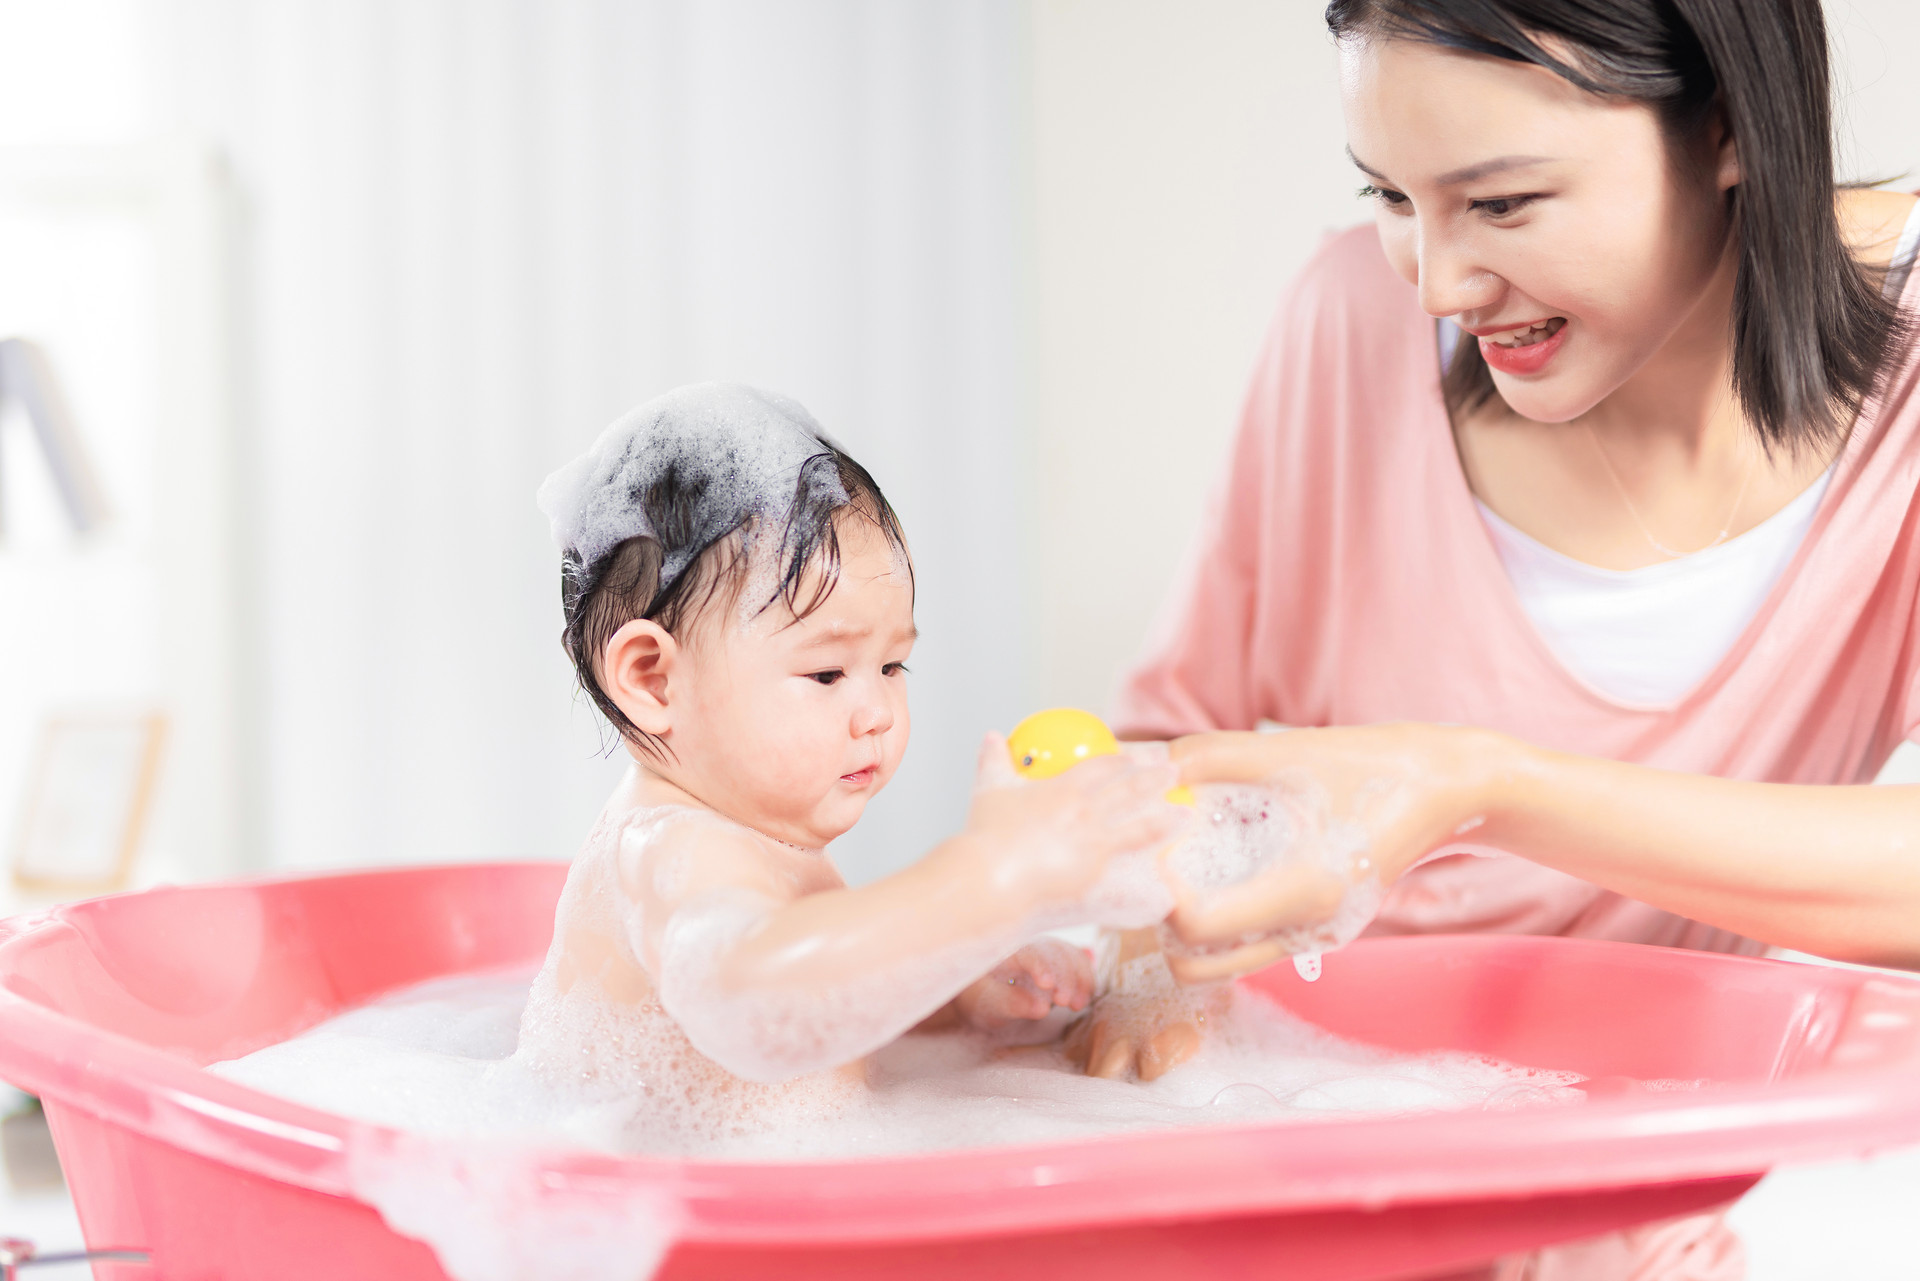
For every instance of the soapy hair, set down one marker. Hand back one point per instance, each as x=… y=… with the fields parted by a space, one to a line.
x=710 y=497
x=1812 y=334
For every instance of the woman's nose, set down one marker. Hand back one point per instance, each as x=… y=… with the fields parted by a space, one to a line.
x=1451 y=282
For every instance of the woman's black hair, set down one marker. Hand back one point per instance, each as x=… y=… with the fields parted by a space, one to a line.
x=624 y=584
x=1812 y=332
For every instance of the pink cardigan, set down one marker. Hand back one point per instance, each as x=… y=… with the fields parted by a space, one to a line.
x=1343 y=576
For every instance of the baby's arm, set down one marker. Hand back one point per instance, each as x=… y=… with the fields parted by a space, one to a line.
x=772 y=982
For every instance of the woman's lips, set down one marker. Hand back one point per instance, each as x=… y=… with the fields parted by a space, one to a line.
x=1529 y=359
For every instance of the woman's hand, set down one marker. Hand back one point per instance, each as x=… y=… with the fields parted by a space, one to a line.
x=1403 y=790
x=1829 y=870
x=1048 y=842
x=1028 y=986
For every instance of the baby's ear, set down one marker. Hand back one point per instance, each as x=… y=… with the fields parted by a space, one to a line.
x=638 y=669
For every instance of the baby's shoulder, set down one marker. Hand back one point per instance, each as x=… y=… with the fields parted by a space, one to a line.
x=669 y=826
x=669 y=852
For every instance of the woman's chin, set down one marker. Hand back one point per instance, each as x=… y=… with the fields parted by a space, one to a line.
x=1545 y=399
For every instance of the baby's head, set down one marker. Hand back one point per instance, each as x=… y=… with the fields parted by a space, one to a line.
x=739 y=604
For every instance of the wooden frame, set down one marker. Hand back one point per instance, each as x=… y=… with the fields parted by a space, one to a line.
x=182 y=540
x=87 y=801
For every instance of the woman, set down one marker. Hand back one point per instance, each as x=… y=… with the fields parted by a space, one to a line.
x=1653 y=533
x=1633 y=560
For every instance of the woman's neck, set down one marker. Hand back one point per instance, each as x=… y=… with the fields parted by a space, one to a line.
x=1678 y=408
x=1665 y=464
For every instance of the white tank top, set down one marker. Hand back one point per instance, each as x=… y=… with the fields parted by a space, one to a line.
x=1645 y=637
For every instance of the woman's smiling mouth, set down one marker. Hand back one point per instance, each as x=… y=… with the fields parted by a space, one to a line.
x=1523 y=349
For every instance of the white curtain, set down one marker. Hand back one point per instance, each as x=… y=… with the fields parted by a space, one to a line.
x=473 y=233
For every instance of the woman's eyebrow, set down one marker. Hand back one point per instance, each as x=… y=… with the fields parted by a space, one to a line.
x=1471 y=173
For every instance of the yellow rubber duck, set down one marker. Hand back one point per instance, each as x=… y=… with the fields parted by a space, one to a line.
x=1059 y=738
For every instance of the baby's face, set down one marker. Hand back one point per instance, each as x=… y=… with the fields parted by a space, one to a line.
x=792 y=727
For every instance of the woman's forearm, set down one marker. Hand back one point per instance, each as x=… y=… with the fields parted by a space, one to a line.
x=1824 y=869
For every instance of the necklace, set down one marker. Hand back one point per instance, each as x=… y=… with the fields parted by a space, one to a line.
x=1726 y=526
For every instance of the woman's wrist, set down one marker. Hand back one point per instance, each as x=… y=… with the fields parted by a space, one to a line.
x=1503 y=783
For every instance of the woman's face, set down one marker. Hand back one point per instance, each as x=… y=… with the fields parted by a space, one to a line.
x=1552 y=224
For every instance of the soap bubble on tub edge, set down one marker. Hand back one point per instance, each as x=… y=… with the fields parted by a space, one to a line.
x=490 y=1213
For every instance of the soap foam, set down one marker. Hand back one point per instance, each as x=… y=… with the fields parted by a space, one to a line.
x=779 y=1034
x=619 y=1061
x=741 y=451
x=492 y=1215
x=436 y=1060
x=1247 y=831
x=439 y=1063
x=769 y=1033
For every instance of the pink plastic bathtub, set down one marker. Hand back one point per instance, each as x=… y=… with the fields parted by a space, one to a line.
x=109 y=1008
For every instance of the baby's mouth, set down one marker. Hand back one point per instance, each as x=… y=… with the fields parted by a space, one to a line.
x=1527 y=335
x=860 y=777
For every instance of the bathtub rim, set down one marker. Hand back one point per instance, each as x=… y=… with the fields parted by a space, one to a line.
x=1823 y=1112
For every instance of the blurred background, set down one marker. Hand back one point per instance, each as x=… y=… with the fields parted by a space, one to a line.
x=328 y=286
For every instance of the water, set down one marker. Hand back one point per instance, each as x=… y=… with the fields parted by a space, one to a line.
x=438 y=1062
x=438 y=1059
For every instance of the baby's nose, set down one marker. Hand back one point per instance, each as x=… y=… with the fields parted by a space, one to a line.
x=872 y=716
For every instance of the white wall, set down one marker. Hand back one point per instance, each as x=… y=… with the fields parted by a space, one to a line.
x=1188 y=157
x=476 y=232
x=1017 y=252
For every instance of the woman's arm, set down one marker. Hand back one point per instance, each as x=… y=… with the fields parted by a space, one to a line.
x=1829 y=870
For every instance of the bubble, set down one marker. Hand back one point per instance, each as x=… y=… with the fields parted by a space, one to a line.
x=1253 y=830
x=606 y=1059
x=1307 y=965
x=1246 y=1098
x=741 y=451
x=430 y=1060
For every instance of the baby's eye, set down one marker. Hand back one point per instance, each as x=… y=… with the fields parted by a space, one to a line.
x=827 y=677
x=894 y=669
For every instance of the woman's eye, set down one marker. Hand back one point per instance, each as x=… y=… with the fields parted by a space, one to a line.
x=1391 y=199
x=1503 y=206
x=827 y=677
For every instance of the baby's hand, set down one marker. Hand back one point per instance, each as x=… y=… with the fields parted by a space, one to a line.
x=1028 y=985
x=1046 y=843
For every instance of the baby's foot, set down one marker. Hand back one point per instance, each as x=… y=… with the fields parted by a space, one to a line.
x=1145 y=1024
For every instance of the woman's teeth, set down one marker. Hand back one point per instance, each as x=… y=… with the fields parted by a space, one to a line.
x=1529 y=335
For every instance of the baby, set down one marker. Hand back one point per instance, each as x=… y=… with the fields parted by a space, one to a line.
x=739 y=605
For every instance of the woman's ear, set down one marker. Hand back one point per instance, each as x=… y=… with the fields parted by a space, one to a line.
x=1726 y=152
x=638 y=669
